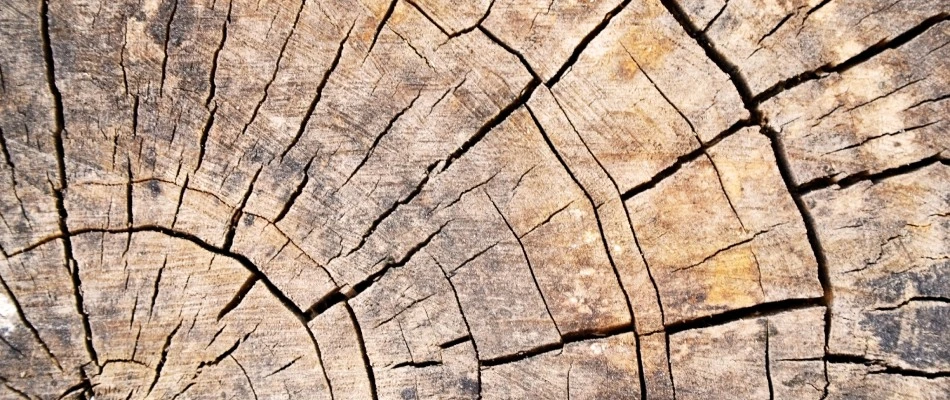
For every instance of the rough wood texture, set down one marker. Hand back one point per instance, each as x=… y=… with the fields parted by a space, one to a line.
x=352 y=199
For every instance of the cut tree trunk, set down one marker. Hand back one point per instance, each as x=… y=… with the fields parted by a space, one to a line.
x=361 y=199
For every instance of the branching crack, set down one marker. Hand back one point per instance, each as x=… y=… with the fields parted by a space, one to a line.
x=603 y=237
x=527 y=260
x=726 y=249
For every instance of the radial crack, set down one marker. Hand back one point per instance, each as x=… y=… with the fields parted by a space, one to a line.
x=857 y=59
x=236 y=216
x=768 y=361
x=168 y=29
x=379 y=28
x=726 y=249
x=296 y=193
x=316 y=98
x=657 y=87
x=163 y=359
x=582 y=45
x=280 y=57
x=723 y=188
x=26 y=322
x=603 y=237
x=158 y=281
x=379 y=137
x=916 y=299
x=363 y=353
x=524 y=252
x=550 y=216
x=217 y=53
x=878 y=136
x=238 y=296
x=247 y=378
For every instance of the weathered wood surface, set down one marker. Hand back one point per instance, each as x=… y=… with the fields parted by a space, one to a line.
x=664 y=199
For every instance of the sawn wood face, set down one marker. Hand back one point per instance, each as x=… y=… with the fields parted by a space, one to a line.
x=491 y=199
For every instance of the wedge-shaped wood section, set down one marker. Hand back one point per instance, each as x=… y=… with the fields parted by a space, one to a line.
x=592 y=369
x=850 y=379
x=803 y=36
x=43 y=334
x=778 y=356
x=888 y=268
x=28 y=203
x=492 y=199
x=722 y=233
x=159 y=316
x=882 y=114
x=634 y=106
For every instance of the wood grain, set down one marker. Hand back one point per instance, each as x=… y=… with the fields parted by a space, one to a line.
x=493 y=199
